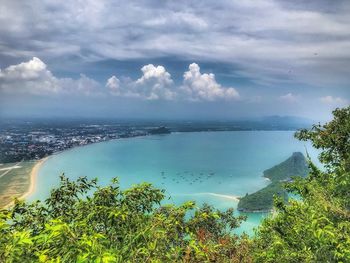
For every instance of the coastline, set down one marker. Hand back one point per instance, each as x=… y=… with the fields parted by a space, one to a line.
x=40 y=162
x=33 y=177
x=225 y=196
x=32 y=185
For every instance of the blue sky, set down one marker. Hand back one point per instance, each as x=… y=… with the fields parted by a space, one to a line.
x=174 y=59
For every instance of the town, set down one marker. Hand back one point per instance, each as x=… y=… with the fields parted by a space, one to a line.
x=28 y=141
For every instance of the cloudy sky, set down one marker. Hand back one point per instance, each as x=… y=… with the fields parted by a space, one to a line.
x=174 y=59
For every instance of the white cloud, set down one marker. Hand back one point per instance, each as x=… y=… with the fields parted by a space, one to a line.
x=334 y=101
x=82 y=85
x=118 y=88
x=29 y=77
x=26 y=70
x=197 y=86
x=154 y=84
x=33 y=77
x=289 y=97
x=157 y=75
x=113 y=84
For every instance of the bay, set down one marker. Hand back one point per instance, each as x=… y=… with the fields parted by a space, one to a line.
x=210 y=167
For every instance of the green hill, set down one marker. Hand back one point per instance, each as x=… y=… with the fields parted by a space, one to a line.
x=262 y=200
x=295 y=165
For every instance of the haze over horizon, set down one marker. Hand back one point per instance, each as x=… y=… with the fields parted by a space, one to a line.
x=174 y=60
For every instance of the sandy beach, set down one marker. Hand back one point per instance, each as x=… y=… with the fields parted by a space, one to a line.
x=33 y=177
x=231 y=197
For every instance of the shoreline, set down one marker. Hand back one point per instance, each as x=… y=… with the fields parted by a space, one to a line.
x=40 y=162
x=263 y=211
x=33 y=178
x=32 y=184
x=225 y=196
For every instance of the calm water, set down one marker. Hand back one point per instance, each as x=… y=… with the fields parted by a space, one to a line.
x=201 y=166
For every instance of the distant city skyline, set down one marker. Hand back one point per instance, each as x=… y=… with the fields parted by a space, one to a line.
x=174 y=59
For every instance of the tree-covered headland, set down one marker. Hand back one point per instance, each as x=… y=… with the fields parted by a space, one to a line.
x=263 y=200
x=83 y=222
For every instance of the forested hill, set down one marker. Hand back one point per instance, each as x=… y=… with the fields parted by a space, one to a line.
x=295 y=165
x=262 y=200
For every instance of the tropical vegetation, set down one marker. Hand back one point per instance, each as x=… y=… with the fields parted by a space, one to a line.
x=263 y=199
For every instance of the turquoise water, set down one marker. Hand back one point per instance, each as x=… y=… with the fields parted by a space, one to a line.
x=202 y=166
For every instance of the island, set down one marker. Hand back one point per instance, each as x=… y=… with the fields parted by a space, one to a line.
x=262 y=200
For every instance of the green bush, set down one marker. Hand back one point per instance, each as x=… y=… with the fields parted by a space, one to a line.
x=114 y=225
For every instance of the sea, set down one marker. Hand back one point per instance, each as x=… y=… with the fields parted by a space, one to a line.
x=206 y=167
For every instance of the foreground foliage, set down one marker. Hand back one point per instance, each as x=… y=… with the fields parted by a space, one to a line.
x=112 y=225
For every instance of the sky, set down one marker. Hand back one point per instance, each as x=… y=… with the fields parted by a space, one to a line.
x=174 y=59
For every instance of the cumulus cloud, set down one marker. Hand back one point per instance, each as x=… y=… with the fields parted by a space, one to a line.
x=156 y=84
x=289 y=97
x=156 y=74
x=33 y=77
x=334 y=101
x=28 y=77
x=113 y=84
x=125 y=89
x=83 y=85
x=197 y=86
